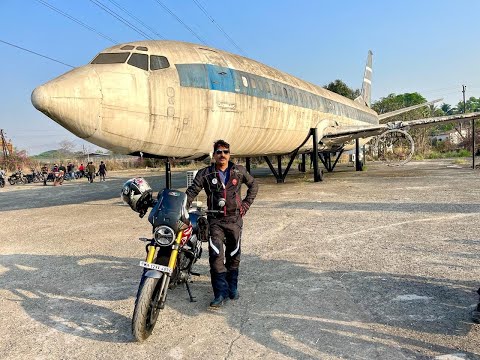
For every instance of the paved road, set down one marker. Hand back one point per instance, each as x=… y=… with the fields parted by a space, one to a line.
x=381 y=264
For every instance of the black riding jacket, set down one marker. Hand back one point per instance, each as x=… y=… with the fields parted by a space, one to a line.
x=208 y=179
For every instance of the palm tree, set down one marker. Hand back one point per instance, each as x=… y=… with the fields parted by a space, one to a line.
x=447 y=109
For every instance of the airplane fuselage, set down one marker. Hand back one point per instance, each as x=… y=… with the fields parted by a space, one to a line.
x=174 y=99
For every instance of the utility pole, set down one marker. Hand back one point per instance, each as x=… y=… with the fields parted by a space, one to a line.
x=464 y=88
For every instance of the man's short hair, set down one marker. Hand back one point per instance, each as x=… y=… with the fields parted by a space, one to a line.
x=221 y=143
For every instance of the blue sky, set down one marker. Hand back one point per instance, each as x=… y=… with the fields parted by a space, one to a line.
x=426 y=46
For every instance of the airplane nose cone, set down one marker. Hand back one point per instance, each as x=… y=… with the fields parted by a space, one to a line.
x=40 y=99
x=73 y=100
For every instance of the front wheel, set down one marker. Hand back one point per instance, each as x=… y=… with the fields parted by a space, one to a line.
x=11 y=181
x=147 y=308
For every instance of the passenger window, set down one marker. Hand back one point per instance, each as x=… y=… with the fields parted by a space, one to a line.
x=244 y=81
x=158 y=62
x=111 y=58
x=253 y=83
x=267 y=87
x=139 y=60
x=285 y=93
x=260 y=85
x=274 y=89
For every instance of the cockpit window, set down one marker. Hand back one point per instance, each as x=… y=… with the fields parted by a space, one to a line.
x=139 y=61
x=158 y=62
x=111 y=58
x=142 y=48
x=127 y=47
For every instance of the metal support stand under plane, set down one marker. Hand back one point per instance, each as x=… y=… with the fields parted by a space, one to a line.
x=317 y=175
x=358 y=163
x=168 y=174
x=326 y=158
x=280 y=176
x=247 y=165
x=302 y=165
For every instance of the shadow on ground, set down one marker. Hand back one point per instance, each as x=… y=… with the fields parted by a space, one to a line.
x=285 y=307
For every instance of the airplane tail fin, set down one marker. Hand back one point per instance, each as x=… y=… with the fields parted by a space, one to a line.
x=366 y=97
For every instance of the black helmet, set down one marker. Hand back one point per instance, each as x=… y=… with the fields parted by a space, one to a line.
x=138 y=194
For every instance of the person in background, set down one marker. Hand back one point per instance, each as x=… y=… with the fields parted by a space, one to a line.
x=45 y=174
x=102 y=170
x=81 y=168
x=70 y=170
x=90 y=171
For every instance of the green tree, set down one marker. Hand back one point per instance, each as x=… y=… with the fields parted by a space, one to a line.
x=394 y=102
x=339 y=87
x=447 y=109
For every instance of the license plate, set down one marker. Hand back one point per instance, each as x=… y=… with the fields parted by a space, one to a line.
x=161 y=268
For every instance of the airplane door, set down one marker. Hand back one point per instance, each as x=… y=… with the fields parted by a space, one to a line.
x=165 y=106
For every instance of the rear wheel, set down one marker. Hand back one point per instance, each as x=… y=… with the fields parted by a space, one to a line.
x=11 y=181
x=147 y=308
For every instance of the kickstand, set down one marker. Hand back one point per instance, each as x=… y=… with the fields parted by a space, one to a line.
x=192 y=299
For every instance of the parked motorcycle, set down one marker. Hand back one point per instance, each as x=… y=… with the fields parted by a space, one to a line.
x=34 y=177
x=175 y=247
x=17 y=178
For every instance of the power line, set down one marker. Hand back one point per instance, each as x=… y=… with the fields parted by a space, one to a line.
x=76 y=20
x=33 y=52
x=120 y=18
x=218 y=26
x=181 y=22
x=137 y=19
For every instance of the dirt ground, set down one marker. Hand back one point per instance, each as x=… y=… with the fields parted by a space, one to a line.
x=380 y=264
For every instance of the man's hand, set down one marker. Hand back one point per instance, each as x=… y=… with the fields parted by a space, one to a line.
x=244 y=208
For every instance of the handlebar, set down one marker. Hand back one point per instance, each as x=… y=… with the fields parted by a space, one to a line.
x=206 y=211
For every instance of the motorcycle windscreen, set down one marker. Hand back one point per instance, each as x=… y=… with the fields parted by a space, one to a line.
x=170 y=210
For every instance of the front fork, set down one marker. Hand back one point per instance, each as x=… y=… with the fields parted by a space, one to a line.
x=171 y=264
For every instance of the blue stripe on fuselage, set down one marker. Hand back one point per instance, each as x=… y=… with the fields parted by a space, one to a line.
x=213 y=77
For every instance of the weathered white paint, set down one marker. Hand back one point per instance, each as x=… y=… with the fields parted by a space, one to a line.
x=126 y=109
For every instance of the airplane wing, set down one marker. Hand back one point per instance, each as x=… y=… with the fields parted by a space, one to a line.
x=339 y=135
x=401 y=111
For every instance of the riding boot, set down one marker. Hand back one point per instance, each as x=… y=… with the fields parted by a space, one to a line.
x=476 y=312
x=220 y=288
x=232 y=279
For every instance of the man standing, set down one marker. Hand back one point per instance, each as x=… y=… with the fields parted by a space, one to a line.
x=102 y=170
x=45 y=174
x=90 y=171
x=476 y=312
x=222 y=183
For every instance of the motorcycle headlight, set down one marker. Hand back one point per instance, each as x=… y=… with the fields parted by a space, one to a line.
x=164 y=236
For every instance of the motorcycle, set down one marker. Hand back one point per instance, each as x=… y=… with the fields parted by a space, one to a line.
x=176 y=245
x=34 y=177
x=17 y=178
x=2 y=179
